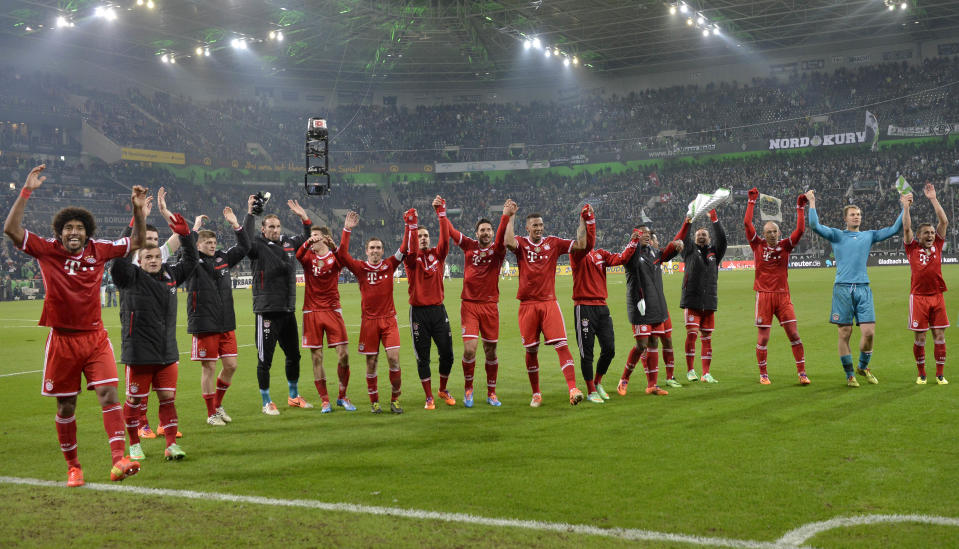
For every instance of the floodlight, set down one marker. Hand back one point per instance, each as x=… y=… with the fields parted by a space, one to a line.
x=683 y=8
x=110 y=14
x=672 y=10
x=206 y=52
x=199 y=50
x=279 y=36
x=700 y=20
x=139 y=2
x=527 y=44
x=891 y=7
x=272 y=35
x=575 y=60
x=98 y=11
x=173 y=60
x=556 y=52
x=566 y=62
x=904 y=5
x=548 y=52
x=689 y=21
x=61 y=21
x=165 y=58
x=716 y=30
x=150 y=4
x=536 y=43
x=705 y=32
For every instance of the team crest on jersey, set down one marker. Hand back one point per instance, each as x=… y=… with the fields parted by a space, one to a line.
x=134 y=388
x=329 y=261
x=90 y=259
x=482 y=254
x=48 y=385
x=545 y=247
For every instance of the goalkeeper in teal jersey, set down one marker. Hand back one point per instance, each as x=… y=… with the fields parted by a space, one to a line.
x=851 y=295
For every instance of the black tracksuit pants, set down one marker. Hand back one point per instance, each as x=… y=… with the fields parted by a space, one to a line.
x=273 y=328
x=593 y=322
x=431 y=323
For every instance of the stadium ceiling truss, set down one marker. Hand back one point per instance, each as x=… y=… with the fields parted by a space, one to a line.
x=413 y=42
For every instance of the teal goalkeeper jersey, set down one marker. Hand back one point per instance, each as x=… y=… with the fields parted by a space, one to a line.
x=852 y=247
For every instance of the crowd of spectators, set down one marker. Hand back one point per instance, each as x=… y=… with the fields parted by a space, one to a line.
x=727 y=112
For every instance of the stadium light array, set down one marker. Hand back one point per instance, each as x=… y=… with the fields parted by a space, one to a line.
x=683 y=8
x=689 y=21
x=566 y=62
x=548 y=52
x=537 y=44
x=164 y=58
x=527 y=44
x=105 y=12
x=63 y=22
x=672 y=10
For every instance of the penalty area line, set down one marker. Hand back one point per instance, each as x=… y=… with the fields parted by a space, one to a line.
x=802 y=534
x=561 y=527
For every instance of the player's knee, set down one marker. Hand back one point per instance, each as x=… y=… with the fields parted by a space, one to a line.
x=606 y=355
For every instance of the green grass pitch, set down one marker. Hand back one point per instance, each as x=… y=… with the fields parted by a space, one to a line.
x=732 y=460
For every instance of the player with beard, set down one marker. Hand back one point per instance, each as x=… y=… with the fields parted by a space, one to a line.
x=72 y=265
x=273 y=258
x=593 y=320
x=479 y=309
x=536 y=258
x=375 y=278
x=927 y=306
x=771 y=257
x=700 y=292
x=148 y=311
x=322 y=313
x=646 y=306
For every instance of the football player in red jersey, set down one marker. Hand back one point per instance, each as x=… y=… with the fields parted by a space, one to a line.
x=72 y=266
x=322 y=313
x=927 y=307
x=591 y=312
x=479 y=312
x=771 y=255
x=536 y=257
x=375 y=278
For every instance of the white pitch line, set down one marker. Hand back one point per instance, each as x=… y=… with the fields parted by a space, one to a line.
x=562 y=527
x=21 y=373
x=794 y=538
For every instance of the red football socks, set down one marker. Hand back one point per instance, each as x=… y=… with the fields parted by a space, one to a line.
x=113 y=424
x=532 y=370
x=67 y=435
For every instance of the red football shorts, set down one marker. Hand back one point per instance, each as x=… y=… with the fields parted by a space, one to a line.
x=646 y=330
x=316 y=323
x=375 y=330
x=68 y=354
x=213 y=345
x=667 y=326
x=769 y=304
x=704 y=320
x=480 y=319
x=141 y=376
x=544 y=317
x=927 y=311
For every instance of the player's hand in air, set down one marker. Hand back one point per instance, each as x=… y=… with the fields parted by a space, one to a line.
x=179 y=225
x=352 y=220
x=439 y=205
x=802 y=200
x=753 y=195
x=929 y=190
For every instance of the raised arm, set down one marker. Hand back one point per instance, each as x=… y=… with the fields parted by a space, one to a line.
x=721 y=243
x=748 y=218
x=586 y=218
x=942 y=222
x=797 y=233
x=307 y=224
x=443 y=246
x=829 y=233
x=907 y=234
x=13 y=226
x=236 y=254
x=252 y=252
x=624 y=256
x=889 y=232
x=173 y=243
x=410 y=244
x=139 y=199
x=509 y=235
x=303 y=251
x=342 y=252
x=683 y=235
x=184 y=268
x=454 y=234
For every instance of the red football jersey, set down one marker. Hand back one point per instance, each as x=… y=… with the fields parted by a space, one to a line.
x=425 y=270
x=72 y=282
x=537 y=266
x=772 y=264
x=482 y=266
x=376 y=281
x=926 y=267
x=322 y=274
x=589 y=273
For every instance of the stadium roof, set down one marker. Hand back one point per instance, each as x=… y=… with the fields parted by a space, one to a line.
x=419 y=42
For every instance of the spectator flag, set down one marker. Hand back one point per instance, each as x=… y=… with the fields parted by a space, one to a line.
x=770 y=208
x=872 y=125
x=902 y=185
x=654 y=179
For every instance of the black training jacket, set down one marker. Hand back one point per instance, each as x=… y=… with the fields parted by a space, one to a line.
x=209 y=301
x=274 y=271
x=148 y=307
x=701 y=270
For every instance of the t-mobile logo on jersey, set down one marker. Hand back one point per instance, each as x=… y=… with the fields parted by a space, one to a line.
x=71 y=266
x=532 y=256
x=925 y=257
x=770 y=254
x=372 y=278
